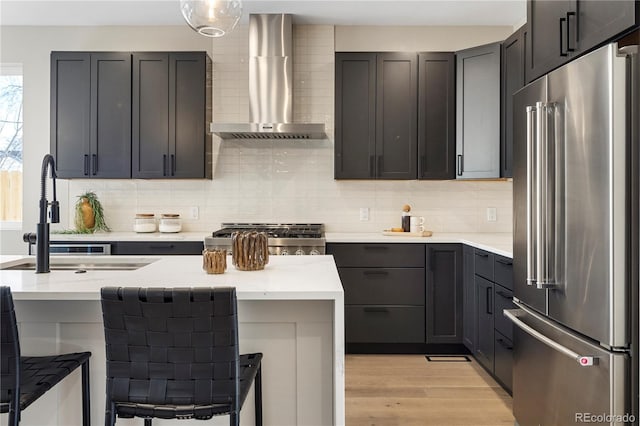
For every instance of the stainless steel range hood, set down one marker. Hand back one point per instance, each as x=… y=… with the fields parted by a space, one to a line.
x=270 y=86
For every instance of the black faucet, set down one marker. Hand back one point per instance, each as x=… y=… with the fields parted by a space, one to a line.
x=41 y=237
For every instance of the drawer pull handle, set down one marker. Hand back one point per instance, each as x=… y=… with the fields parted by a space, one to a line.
x=504 y=344
x=160 y=246
x=376 y=310
x=505 y=262
x=482 y=254
x=376 y=247
x=380 y=273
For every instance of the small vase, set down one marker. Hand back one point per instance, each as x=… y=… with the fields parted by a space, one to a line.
x=88 y=217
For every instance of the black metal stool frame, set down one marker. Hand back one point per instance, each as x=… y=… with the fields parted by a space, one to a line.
x=173 y=353
x=24 y=379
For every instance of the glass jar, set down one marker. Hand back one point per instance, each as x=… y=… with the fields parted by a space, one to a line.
x=144 y=222
x=170 y=223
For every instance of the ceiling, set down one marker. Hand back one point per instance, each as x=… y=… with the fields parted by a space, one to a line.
x=337 y=12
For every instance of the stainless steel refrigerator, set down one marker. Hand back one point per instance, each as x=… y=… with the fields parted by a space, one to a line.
x=575 y=242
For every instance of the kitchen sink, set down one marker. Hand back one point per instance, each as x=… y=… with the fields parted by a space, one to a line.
x=107 y=264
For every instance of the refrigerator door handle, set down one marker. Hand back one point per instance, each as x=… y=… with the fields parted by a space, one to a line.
x=544 y=198
x=531 y=204
x=582 y=360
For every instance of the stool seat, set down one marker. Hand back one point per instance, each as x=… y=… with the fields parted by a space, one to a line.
x=24 y=379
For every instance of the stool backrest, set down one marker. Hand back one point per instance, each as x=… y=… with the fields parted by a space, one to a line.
x=171 y=345
x=9 y=349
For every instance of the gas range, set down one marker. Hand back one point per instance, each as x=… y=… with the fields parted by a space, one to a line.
x=283 y=238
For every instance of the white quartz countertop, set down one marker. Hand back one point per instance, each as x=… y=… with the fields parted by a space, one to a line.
x=498 y=243
x=284 y=278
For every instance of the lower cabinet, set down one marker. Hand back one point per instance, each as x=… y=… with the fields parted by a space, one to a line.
x=157 y=248
x=400 y=294
x=487 y=333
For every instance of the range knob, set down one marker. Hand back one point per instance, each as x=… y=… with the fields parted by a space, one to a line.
x=314 y=252
x=299 y=252
x=284 y=252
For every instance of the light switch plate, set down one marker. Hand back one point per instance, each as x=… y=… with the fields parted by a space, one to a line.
x=492 y=214
x=364 y=214
x=194 y=213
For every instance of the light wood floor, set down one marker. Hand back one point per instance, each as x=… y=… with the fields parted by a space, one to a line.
x=404 y=390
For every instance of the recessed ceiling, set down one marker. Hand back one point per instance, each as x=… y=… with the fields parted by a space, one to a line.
x=337 y=12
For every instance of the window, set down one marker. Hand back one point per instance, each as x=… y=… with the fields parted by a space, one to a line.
x=11 y=116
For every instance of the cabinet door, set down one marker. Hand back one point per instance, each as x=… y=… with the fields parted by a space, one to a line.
x=444 y=293
x=436 y=116
x=513 y=55
x=484 y=311
x=71 y=113
x=547 y=39
x=355 y=114
x=396 y=115
x=478 y=112
x=600 y=20
x=469 y=300
x=150 y=147
x=110 y=115
x=187 y=115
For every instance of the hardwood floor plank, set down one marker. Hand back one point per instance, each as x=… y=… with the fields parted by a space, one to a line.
x=389 y=390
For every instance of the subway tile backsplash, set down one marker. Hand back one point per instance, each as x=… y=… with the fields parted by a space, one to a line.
x=287 y=181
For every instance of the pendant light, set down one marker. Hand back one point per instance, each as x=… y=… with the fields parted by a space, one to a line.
x=211 y=18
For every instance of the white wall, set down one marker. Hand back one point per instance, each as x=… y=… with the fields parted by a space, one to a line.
x=253 y=181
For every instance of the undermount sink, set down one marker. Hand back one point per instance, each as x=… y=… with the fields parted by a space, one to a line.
x=60 y=264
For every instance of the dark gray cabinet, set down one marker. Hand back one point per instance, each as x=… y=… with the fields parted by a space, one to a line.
x=123 y=115
x=478 y=112
x=484 y=322
x=91 y=114
x=444 y=294
x=492 y=343
x=157 y=247
x=376 y=115
x=561 y=30
x=513 y=79
x=170 y=114
x=469 y=299
x=436 y=115
x=384 y=287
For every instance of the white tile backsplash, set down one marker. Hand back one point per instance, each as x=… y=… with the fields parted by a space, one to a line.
x=285 y=181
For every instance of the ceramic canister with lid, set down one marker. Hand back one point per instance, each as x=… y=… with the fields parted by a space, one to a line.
x=170 y=222
x=144 y=222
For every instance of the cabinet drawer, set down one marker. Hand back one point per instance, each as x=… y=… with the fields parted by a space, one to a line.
x=384 y=324
x=503 y=300
x=378 y=255
x=383 y=286
x=503 y=271
x=503 y=360
x=483 y=264
x=159 y=248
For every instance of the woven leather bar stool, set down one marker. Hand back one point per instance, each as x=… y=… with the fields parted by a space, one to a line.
x=173 y=354
x=24 y=379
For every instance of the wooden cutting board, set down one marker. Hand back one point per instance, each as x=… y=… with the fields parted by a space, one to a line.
x=408 y=234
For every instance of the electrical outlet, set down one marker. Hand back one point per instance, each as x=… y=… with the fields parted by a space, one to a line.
x=194 y=212
x=364 y=214
x=492 y=214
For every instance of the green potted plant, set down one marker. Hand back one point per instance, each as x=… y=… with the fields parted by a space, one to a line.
x=89 y=215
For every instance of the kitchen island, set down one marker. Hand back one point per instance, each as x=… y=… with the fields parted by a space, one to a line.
x=292 y=312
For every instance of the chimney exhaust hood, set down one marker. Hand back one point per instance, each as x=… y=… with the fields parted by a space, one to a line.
x=270 y=85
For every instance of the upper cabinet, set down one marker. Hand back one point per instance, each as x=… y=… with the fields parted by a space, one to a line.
x=478 y=112
x=436 y=115
x=394 y=116
x=513 y=79
x=560 y=30
x=91 y=114
x=123 y=115
x=376 y=115
x=170 y=115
